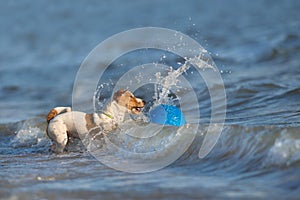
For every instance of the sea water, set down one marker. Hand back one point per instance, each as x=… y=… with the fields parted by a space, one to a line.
x=255 y=46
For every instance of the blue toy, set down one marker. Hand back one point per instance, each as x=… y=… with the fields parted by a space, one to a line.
x=167 y=115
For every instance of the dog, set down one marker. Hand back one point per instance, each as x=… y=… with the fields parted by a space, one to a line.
x=63 y=123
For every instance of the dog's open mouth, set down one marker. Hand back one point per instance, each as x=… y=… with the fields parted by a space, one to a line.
x=136 y=109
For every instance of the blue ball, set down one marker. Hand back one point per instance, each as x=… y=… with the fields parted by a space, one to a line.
x=167 y=115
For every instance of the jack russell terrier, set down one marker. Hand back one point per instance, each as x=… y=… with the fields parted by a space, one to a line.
x=61 y=120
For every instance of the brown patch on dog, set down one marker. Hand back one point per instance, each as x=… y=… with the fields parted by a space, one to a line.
x=51 y=115
x=90 y=124
x=128 y=100
x=118 y=94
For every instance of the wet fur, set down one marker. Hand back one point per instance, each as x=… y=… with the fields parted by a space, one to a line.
x=61 y=120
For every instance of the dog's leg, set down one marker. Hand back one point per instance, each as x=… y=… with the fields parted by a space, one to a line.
x=59 y=136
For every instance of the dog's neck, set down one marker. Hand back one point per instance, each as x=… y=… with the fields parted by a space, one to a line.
x=115 y=112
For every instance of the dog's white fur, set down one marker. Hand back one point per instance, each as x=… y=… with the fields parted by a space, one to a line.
x=61 y=120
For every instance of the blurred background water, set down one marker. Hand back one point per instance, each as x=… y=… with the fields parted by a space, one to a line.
x=256 y=46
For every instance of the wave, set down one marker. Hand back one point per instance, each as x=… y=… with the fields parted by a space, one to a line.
x=27 y=136
x=240 y=148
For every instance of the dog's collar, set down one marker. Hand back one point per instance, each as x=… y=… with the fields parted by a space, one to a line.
x=106 y=114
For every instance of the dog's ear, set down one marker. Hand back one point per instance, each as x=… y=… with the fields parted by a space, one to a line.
x=117 y=94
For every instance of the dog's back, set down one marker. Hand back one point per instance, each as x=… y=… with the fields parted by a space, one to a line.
x=56 y=111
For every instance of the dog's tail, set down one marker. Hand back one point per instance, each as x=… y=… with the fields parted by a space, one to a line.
x=57 y=111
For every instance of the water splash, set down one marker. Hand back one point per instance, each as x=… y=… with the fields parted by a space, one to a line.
x=31 y=134
x=172 y=78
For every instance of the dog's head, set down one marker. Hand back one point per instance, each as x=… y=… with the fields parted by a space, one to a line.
x=128 y=100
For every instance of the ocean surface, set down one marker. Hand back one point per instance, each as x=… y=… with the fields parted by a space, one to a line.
x=254 y=44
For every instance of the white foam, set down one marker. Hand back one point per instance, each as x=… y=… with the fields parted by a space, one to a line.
x=30 y=135
x=285 y=151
